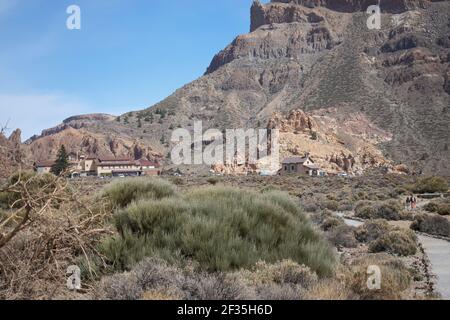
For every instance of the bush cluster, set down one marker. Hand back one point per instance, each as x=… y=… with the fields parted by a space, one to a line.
x=389 y=210
x=441 y=207
x=220 y=228
x=432 y=224
x=397 y=242
x=122 y=193
x=430 y=185
x=155 y=279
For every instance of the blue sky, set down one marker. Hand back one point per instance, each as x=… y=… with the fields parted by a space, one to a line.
x=128 y=55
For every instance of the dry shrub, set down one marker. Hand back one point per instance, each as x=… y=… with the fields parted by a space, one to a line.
x=320 y=217
x=155 y=279
x=332 y=223
x=45 y=230
x=328 y=289
x=160 y=295
x=345 y=206
x=343 y=236
x=333 y=288
x=397 y=242
x=154 y=275
x=282 y=272
x=389 y=210
x=432 y=224
x=213 y=180
x=441 y=207
x=372 y=230
x=395 y=278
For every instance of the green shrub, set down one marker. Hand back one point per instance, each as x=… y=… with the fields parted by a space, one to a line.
x=398 y=242
x=220 y=228
x=432 y=224
x=122 y=193
x=430 y=185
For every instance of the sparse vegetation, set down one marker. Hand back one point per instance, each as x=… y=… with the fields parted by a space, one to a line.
x=430 y=185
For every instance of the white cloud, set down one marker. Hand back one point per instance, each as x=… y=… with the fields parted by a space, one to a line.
x=33 y=113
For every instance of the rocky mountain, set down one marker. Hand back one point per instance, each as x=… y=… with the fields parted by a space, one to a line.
x=93 y=135
x=336 y=143
x=317 y=56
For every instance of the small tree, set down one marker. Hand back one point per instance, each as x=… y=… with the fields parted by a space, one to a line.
x=62 y=162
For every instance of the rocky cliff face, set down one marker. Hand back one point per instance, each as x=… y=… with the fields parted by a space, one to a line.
x=390 y=6
x=93 y=135
x=11 y=154
x=337 y=143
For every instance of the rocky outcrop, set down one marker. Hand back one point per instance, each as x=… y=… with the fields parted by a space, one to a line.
x=337 y=143
x=280 y=38
x=81 y=141
x=447 y=81
x=270 y=14
x=297 y=121
x=391 y=6
x=11 y=154
x=75 y=122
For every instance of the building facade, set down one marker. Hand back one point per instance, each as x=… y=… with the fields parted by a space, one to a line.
x=105 y=167
x=301 y=165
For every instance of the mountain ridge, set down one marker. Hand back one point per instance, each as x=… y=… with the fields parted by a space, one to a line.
x=310 y=56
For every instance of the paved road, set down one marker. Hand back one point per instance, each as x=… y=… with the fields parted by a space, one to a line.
x=438 y=252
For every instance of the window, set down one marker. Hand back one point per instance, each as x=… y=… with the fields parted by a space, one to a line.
x=285 y=168
x=292 y=168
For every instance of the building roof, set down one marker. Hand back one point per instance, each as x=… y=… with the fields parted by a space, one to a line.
x=117 y=163
x=112 y=159
x=147 y=163
x=296 y=160
x=125 y=170
x=312 y=167
x=45 y=164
